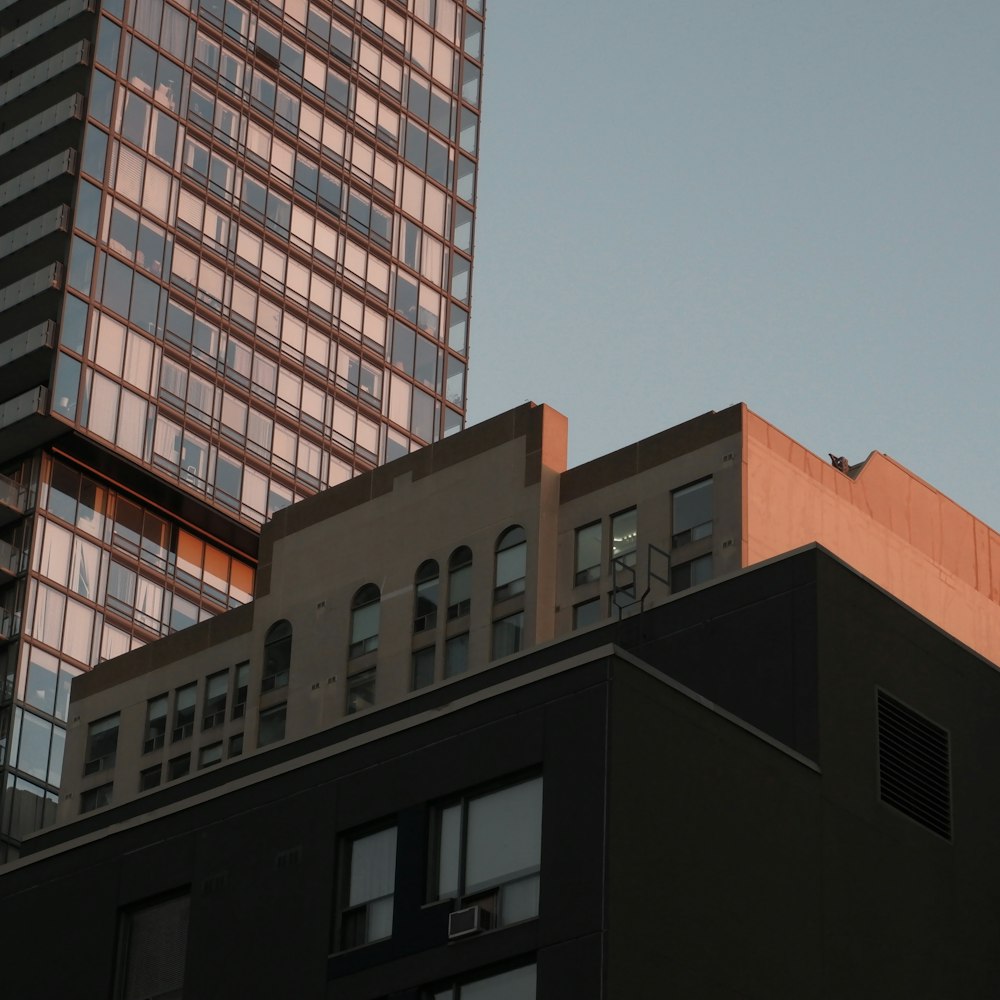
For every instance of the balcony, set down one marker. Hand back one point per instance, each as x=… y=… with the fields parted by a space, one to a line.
x=25 y=423
x=12 y=561
x=13 y=500
x=26 y=360
x=10 y=625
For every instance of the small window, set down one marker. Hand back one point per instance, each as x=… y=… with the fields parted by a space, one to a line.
x=102 y=745
x=508 y=635
x=690 y=574
x=150 y=777
x=184 y=705
x=426 y=606
x=178 y=767
x=488 y=850
x=156 y=724
x=586 y=614
x=277 y=656
x=369 y=882
x=365 y=620
x=236 y=745
x=459 y=582
x=624 y=537
x=456 y=655
x=588 y=553
x=240 y=692
x=360 y=691
x=212 y=754
x=423 y=668
x=96 y=798
x=693 y=512
x=512 y=551
x=216 y=690
x=272 y=726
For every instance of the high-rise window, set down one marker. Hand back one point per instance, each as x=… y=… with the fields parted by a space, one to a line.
x=368 y=884
x=102 y=744
x=588 y=553
x=692 y=512
x=624 y=537
x=690 y=574
x=184 y=708
x=426 y=601
x=216 y=690
x=423 y=668
x=456 y=655
x=365 y=620
x=272 y=725
x=156 y=723
x=511 y=563
x=240 y=690
x=488 y=850
x=459 y=582
x=508 y=635
x=277 y=656
x=360 y=691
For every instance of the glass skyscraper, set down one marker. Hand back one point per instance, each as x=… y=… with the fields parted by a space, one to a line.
x=235 y=265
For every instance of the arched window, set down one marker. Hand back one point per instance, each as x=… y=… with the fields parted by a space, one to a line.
x=459 y=582
x=426 y=606
x=277 y=656
x=512 y=549
x=364 y=620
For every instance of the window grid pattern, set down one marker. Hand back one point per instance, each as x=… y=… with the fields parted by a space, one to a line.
x=346 y=146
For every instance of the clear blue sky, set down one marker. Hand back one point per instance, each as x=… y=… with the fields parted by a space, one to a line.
x=686 y=203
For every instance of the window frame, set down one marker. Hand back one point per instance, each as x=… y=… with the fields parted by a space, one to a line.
x=488 y=895
x=695 y=530
x=592 y=571
x=346 y=924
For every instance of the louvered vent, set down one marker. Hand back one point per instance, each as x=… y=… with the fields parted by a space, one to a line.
x=914 y=765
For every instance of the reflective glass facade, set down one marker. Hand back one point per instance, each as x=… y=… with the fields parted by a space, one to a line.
x=247 y=236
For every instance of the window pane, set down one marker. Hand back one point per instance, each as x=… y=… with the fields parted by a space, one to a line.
x=373 y=867
x=693 y=512
x=504 y=837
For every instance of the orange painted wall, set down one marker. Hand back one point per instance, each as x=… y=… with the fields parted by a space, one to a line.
x=887 y=523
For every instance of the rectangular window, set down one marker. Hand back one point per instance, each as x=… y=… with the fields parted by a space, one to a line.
x=184 y=705
x=156 y=723
x=272 y=726
x=586 y=614
x=508 y=634
x=624 y=538
x=207 y=756
x=360 y=691
x=150 y=777
x=456 y=655
x=690 y=574
x=102 y=744
x=423 y=668
x=588 y=553
x=240 y=691
x=178 y=767
x=692 y=512
x=488 y=851
x=216 y=689
x=368 y=886
x=95 y=798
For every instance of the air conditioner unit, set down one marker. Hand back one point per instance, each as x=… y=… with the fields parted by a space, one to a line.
x=468 y=920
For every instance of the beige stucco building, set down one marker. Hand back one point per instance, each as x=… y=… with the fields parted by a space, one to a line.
x=484 y=545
